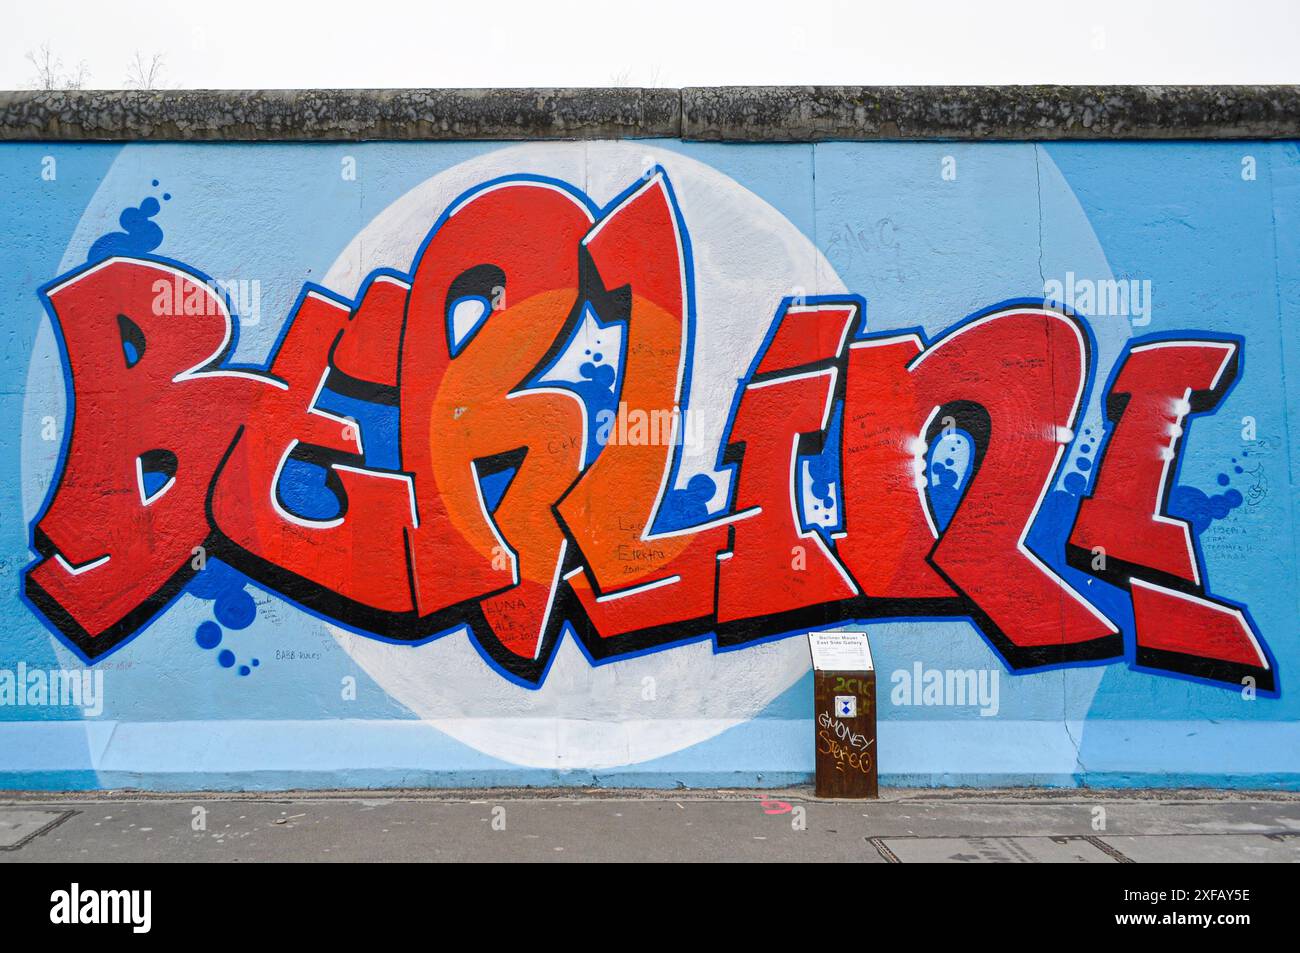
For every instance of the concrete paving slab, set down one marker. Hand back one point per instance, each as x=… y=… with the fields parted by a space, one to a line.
x=996 y=850
x=1209 y=848
x=383 y=830
x=994 y=817
x=792 y=825
x=19 y=826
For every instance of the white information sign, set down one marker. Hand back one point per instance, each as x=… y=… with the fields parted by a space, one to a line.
x=839 y=651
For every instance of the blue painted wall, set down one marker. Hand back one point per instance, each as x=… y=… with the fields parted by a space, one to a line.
x=927 y=234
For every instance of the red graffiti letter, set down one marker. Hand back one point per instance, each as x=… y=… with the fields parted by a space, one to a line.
x=493 y=289
x=775 y=566
x=152 y=420
x=1013 y=381
x=645 y=580
x=1124 y=533
x=358 y=555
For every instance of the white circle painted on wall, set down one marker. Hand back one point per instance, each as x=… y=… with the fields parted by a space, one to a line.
x=747 y=257
x=919 y=254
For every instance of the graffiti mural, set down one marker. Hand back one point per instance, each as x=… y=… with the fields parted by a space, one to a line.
x=515 y=501
x=556 y=452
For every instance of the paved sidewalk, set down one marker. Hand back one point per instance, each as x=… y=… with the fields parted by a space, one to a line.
x=568 y=825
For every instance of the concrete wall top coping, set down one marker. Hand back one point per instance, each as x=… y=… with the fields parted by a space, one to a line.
x=714 y=114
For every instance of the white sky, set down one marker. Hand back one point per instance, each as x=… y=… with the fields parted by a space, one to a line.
x=377 y=43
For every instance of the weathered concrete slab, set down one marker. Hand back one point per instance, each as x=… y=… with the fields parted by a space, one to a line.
x=340 y=114
x=1209 y=848
x=18 y=826
x=991 y=817
x=819 y=113
x=734 y=826
x=996 y=850
x=387 y=830
x=723 y=113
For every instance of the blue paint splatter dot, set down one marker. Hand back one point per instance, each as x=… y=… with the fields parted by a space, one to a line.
x=943 y=475
x=208 y=635
x=1086 y=448
x=1237 y=470
x=167 y=196
x=601 y=375
x=256 y=663
x=1083 y=463
x=1200 y=509
x=824 y=468
x=140 y=235
x=689 y=505
x=944 y=495
x=1075 y=483
x=1223 y=479
x=155 y=183
x=212 y=580
x=244 y=670
x=235 y=610
x=226 y=659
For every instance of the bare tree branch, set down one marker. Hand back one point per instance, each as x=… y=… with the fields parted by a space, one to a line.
x=48 y=72
x=145 y=74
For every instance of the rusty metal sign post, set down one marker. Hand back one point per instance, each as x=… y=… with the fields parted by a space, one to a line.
x=844 y=712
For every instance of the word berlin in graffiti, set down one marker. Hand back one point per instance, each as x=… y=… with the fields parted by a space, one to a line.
x=174 y=451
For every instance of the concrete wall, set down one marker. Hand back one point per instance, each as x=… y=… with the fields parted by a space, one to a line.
x=529 y=455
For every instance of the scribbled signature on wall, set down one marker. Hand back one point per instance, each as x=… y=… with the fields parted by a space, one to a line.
x=406 y=463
